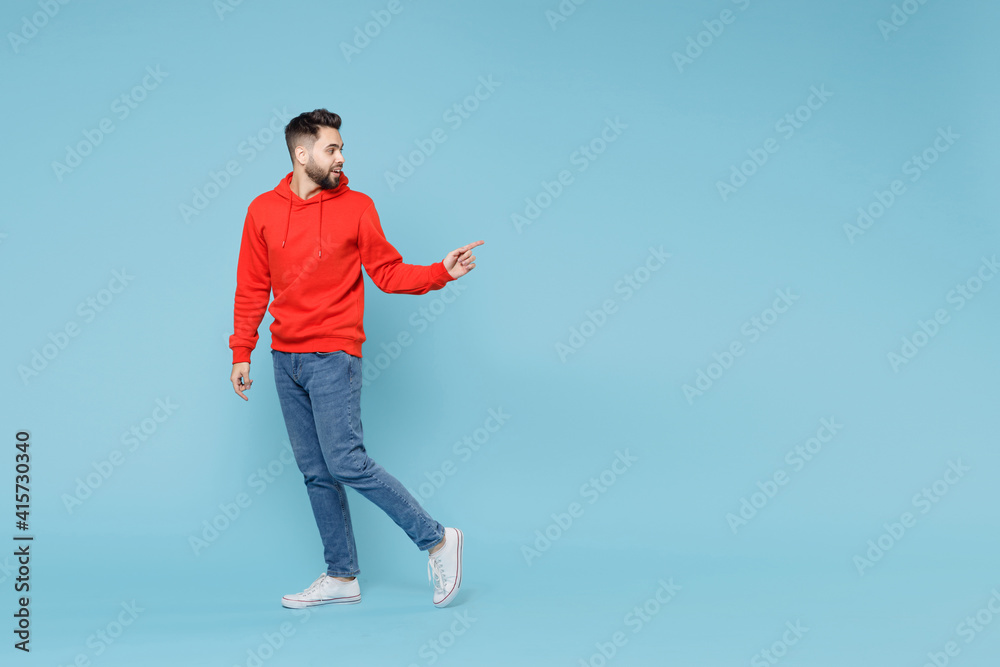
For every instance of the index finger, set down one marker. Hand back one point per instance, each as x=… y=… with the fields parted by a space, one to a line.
x=238 y=390
x=472 y=245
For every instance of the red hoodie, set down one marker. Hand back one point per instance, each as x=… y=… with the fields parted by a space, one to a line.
x=310 y=253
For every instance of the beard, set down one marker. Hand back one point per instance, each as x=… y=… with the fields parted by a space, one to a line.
x=323 y=179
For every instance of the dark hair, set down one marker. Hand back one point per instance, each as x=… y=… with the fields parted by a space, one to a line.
x=307 y=125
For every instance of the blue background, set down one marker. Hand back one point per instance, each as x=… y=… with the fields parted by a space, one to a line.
x=667 y=517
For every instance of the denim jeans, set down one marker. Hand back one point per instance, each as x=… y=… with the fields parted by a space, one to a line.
x=320 y=394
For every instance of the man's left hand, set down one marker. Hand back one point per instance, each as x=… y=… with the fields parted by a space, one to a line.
x=461 y=260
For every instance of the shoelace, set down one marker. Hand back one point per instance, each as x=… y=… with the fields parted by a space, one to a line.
x=316 y=584
x=436 y=574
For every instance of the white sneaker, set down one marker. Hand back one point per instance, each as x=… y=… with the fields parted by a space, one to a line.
x=444 y=568
x=325 y=590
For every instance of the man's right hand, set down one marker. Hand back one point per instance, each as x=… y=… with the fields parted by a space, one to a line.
x=241 y=378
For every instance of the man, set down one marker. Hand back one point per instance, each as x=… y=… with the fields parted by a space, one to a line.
x=307 y=240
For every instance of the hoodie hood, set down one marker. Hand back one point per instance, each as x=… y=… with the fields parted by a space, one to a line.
x=312 y=206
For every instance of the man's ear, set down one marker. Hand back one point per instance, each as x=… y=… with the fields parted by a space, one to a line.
x=301 y=155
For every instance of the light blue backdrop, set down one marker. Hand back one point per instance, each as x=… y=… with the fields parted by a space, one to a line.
x=721 y=390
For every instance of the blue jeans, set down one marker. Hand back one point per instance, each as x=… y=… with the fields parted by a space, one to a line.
x=320 y=394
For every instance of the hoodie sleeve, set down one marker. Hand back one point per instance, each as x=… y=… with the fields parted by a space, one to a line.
x=385 y=266
x=253 y=291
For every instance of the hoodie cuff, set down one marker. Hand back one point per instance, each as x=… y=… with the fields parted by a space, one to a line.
x=441 y=275
x=241 y=354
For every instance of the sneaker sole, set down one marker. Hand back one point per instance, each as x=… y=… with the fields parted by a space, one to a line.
x=458 y=575
x=301 y=604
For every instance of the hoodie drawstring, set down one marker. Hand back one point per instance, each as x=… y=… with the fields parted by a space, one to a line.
x=287 y=220
x=288 y=217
